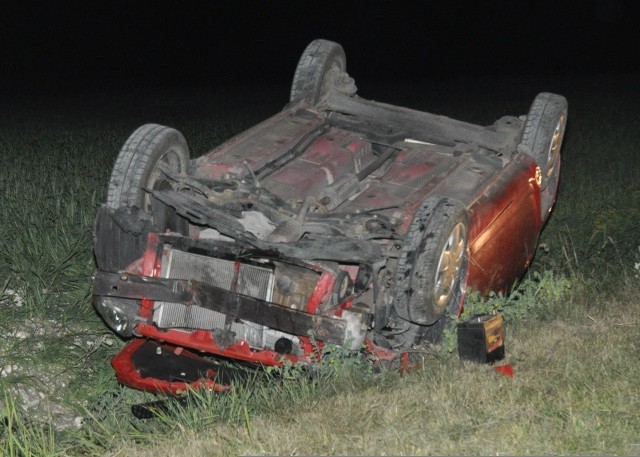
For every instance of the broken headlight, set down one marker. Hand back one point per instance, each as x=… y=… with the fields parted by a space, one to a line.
x=119 y=314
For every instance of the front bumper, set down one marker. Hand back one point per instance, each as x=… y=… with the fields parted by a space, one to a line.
x=193 y=293
x=161 y=368
x=168 y=371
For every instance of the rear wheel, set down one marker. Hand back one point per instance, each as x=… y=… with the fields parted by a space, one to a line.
x=321 y=65
x=542 y=138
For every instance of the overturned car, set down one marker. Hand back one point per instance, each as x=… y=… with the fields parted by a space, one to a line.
x=338 y=221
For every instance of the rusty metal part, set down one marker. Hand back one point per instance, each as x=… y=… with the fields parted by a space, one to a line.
x=193 y=293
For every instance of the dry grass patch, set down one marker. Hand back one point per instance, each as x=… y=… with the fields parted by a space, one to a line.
x=575 y=391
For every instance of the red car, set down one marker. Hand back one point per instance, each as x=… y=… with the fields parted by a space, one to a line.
x=338 y=221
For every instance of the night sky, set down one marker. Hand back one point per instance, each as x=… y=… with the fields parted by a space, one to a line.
x=64 y=46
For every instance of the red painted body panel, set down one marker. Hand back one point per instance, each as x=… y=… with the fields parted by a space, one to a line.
x=504 y=228
x=128 y=374
x=412 y=175
x=202 y=340
x=256 y=147
x=329 y=158
x=414 y=172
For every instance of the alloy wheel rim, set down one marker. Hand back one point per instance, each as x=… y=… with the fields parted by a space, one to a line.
x=554 y=145
x=449 y=265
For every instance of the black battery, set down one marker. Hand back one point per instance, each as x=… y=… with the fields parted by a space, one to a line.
x=481 y=338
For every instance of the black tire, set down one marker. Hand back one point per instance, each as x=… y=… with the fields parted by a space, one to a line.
x=319 y=66
x=138 y=166
x=542 y=139
x=400 y=334
x=432 y=269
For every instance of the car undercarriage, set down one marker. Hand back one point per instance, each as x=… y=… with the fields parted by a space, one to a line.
x=337 y=221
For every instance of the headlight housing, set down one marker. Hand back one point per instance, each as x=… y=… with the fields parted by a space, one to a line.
x=120 y=314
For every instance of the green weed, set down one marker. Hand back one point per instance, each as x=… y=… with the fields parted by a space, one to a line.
x=20 y=437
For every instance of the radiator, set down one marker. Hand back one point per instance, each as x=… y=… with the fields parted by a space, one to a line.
x=253 y=280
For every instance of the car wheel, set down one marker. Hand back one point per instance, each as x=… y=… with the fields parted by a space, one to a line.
x=149 y=150
x=320 y=65
x=542 y=138
x=399 y=334
x=148 y=153
x=432 y=269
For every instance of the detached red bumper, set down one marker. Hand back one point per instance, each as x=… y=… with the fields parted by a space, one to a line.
x=161 y=368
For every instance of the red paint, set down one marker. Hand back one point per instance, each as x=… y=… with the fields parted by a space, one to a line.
x=127 y=374
x=202 y=340
x=151 y=266
x=150 y=261
x=321 y=292
x=505 y=370
x=380 y=353
x=258 y=146
x=328 y=159
x=504 y=230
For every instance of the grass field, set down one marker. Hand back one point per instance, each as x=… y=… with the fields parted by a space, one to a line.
x=572 y=332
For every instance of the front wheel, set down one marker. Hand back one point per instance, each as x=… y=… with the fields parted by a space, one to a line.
x=432 y=269
x=148 y=159
x=148 y=153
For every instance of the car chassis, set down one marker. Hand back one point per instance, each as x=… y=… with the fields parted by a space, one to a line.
x=338 y=221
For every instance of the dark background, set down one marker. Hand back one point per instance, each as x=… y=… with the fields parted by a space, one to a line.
x=57 y=47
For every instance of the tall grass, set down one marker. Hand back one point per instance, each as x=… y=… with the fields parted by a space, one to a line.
x=19 y=436
x=571 y=328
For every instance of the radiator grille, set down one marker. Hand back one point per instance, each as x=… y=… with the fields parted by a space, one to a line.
x=253 y=280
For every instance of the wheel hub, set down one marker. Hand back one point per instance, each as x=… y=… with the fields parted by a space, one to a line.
x=449 y=265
